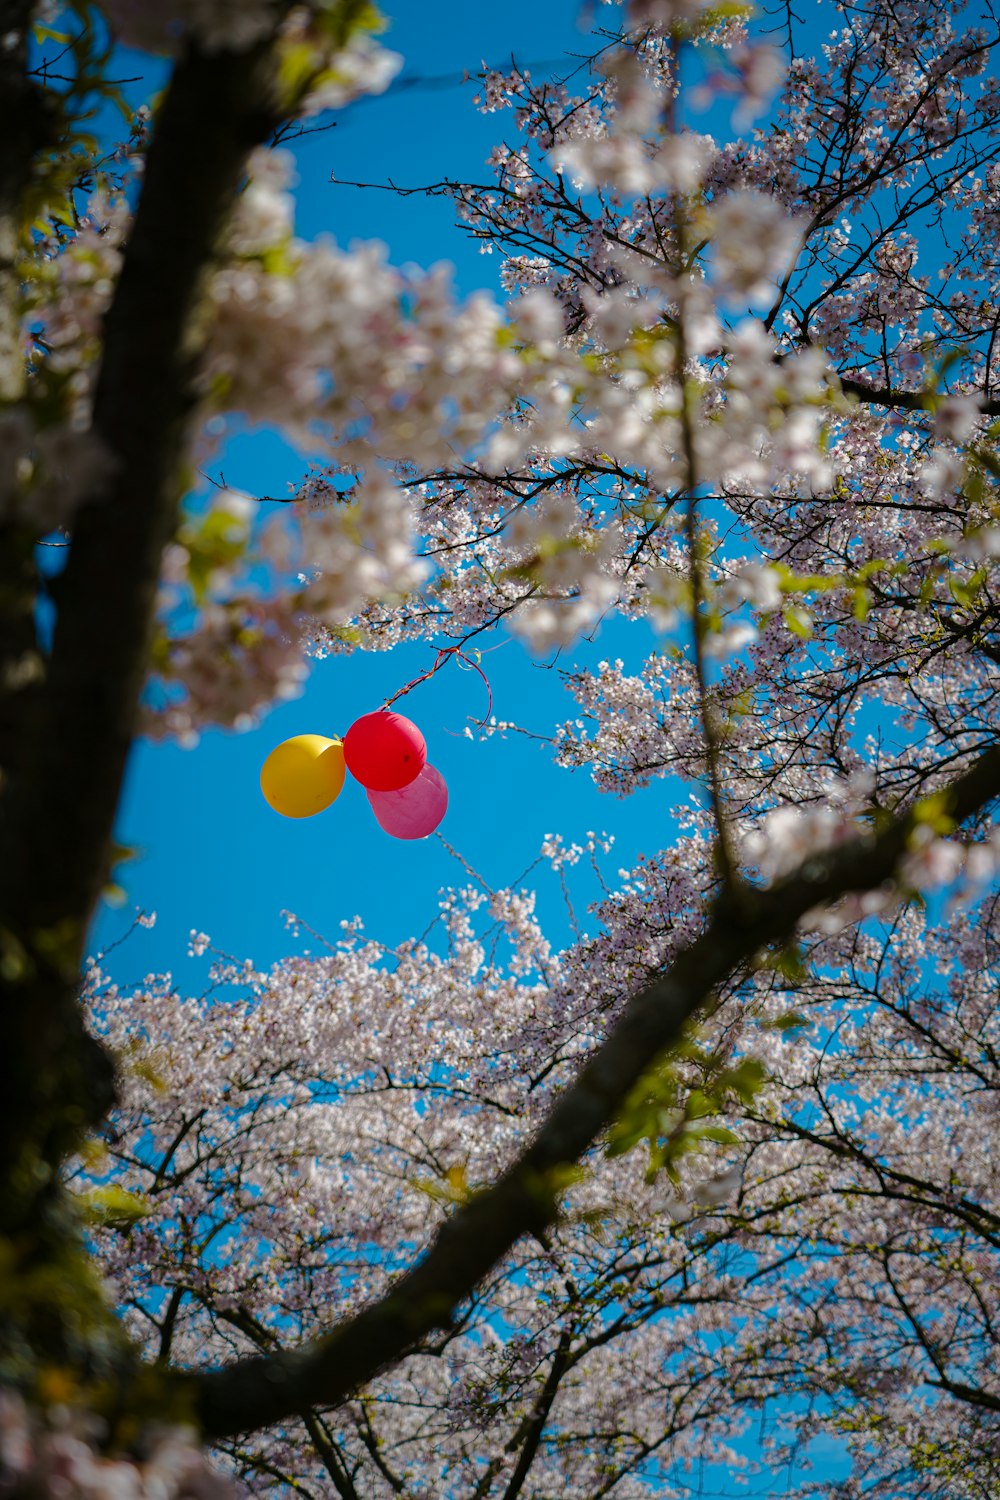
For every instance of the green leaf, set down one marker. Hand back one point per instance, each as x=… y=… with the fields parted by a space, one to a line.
x=798 y=622
x=454 y=1187
x=788 y=1022
x=789 y=962
x=933 y=811
x=746 y=1079
x=145 y=1069
x=720 y=1133
x=113 y=1206
x=16 y=962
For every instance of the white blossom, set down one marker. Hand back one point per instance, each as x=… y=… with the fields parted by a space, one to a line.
x=956 y=418
x=753 y=242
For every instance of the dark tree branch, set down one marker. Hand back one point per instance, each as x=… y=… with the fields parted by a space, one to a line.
x=169 y=1323
x=26 y=128
x=259 y=1391
x=530 y=1434
x=330 y=1457
x=901 y=400
x=216 y=110
x=366 y=1432
x=970 y=1394
x=57 y=809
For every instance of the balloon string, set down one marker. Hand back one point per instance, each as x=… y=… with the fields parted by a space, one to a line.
x=445 y=654
x=486 y=684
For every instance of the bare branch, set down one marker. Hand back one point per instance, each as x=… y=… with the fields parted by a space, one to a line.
x=901 y=400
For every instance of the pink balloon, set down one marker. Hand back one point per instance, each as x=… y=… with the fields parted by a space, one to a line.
x=414 y=810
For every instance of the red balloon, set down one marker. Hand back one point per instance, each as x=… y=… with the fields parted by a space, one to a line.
x=415 y=810
x=384 y=751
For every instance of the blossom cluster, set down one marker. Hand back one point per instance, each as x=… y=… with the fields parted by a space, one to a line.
x=335 y=74
x=57 y=1454
x=325 y=1121
x=46 y=472
x=359 y=547
x=217 y=25
x=70 y=282
x=569 y=569
x=822 y=575
x=238 y=660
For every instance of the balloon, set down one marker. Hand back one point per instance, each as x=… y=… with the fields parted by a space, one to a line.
x=413 y=811
x=303 y=775
x=384 y=751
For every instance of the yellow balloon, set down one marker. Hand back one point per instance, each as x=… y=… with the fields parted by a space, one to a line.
x=303 y=775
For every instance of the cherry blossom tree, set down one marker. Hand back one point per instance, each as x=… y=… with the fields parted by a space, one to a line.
x=480 y=1216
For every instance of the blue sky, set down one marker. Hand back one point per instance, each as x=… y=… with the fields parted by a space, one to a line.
x=212 y=855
